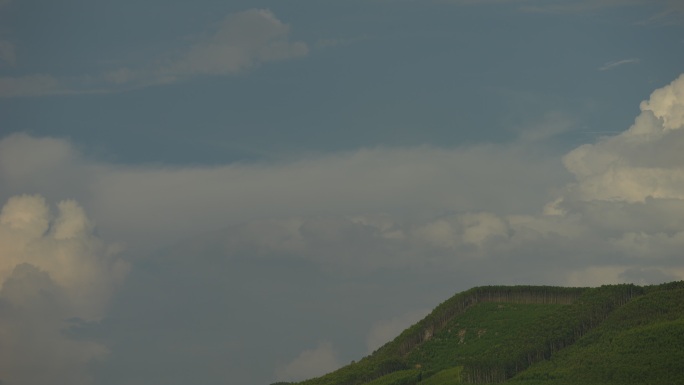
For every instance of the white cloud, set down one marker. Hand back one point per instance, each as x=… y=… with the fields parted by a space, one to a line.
x=667 y=103
x=309 y=363
x=644 y=161
x=52 y=269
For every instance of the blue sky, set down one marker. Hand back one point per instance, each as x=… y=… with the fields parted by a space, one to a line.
x=250 y=191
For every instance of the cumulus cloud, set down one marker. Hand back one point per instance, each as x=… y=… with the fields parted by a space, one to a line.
x=309 y=363
x=52 y=269
x=644 y=161
x=629 y=188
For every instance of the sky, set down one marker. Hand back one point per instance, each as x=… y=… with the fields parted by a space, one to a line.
x=245 y=192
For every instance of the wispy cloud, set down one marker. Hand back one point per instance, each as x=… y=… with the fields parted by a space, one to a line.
x=241 y=41
x=671 y=11
x=577 y=6
x=614 y=64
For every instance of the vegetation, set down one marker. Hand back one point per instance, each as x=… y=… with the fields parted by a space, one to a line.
x=617 y=334
x=639 y=343
x=450 y=376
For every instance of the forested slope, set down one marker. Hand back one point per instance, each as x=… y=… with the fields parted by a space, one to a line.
x=642 y=342
x=535 y=335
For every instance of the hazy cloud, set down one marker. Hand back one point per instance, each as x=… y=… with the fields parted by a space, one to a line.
x=548 y=126
x=310 y=363
x=670 y=11
x=240 y=41
x=357 y=182
x=30 y=85
x=576 y=6
x=342 y=41
x=7 y=55
x=384 y=331
x=626 y=201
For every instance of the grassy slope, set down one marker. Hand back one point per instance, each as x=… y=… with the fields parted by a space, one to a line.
x=493 y=333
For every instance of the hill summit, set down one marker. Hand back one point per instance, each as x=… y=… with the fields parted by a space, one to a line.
x=613 y=334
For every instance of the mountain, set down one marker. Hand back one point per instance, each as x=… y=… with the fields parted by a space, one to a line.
x=614 y=334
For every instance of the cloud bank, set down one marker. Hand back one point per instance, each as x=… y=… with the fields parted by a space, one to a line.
x=402 y=203
x=606 y=212
x=181 y=202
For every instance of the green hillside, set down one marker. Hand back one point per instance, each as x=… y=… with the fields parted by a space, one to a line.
x=616 y=334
